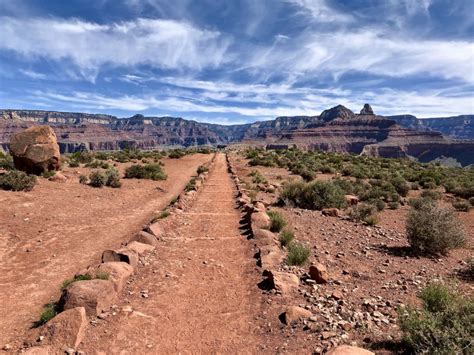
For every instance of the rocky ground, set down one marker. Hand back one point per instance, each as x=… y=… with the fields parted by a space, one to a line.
x=48 y=234
x=371 y=274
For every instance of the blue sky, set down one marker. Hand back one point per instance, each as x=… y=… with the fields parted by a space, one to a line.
x=235 y=61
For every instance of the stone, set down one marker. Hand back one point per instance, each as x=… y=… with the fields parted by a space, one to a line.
x=67 y=328
x=283 y=281
x=351 y=200
x=337 y=295
x=140 y=248
x=118 y=272
x=270 y=257
x=259 y=206
x=39 y=350
x=349 y=350
x=332 y=212
x=58 y=177
x=367 y=110
x=156 y=229
x=319 y=273
x=128 y=256
x=294 y=314
x=260 y=220
x=35 y=150
x=145 y=238
x=264 y=237
x=95 y=296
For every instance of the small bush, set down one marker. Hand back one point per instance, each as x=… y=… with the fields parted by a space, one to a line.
x=6 y=162
x=298 y=254
x=85 y=277
x=434 y=195
x=277 y=222
x=49 y=312
x=191 y=185
x=444 y=324
x=97 y=179
x=83 y=179
x=433 y=230
x=48 y=174
x=16 y=180
x=393 y=205
x=257 y=177
x=112 y=178
x=149 y=171
x=163 y=214
x=286 y=237
x=202 y=169
x=462 y=205
x=74 y=164
x=315 y=195
x=364 y=213
x=471 y=201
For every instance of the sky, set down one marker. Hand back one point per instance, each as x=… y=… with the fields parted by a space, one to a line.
x=237 y=61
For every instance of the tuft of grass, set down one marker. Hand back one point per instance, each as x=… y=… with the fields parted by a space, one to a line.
x=286 y=238
x=49 y=312
x=67 y=282
x=191 y=185
x=443 y=325
x=48 y=174
x=298 y=254
x=277 y=222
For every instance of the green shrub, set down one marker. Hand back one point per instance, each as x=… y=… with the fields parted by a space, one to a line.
x=6 y=162
x=112 y=178
x=417 y=203
x=393 y=205
x=277 y=222
x=433 y=230
x=83 y=179
x=471 y=201
x=257 y=177
x=48 y=174
x=16 y=180
x=401 y=186
x=434 y=195
x=149 y=171
x=298 y=254
x=202 y=169
x=176 y=154
x=286 y=237
x=49 y=312
x=67 y=282
x=74 y=164
x=443 y=325
x=315 y=195
x=97 y=179
x=462 y=205
x=364 y=213
x=191 y=185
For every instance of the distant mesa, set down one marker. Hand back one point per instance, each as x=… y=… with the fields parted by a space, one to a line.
x=367 y=110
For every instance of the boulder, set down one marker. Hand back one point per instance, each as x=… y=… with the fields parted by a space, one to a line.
x=35 y=150
x=319 y=273
x=39 y=350
x=156 y=229
x=145 y=238
x=332 y=212
x=282 y=281
x=58 y=177
x=118 y=272
x=260 y=206
x=67 y=328
x=349 y=350
x=95 y=296
x=295 y=314
x=264 y=237
x=260 y=220
x=351 y=200
x=270 y=257
x=126 y=255
x=140 y=248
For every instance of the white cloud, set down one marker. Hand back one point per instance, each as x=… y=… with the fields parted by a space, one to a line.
x=321 y=11
x=32 y=74
x=165 y=44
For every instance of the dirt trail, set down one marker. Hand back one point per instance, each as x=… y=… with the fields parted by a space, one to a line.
x=200 y=286
x=52 y=232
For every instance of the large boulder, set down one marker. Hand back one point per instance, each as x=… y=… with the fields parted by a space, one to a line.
x=35 y=150
x=95 y=296
x=67 y=328
x=294 y=314
x=118 y=272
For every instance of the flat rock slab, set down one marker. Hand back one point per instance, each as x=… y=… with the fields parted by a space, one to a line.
x=118 y=272
x=67 y=328
x=140 y=248
x=95 y=296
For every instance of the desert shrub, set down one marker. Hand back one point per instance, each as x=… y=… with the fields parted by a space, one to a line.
x=163 y=214
x=461 y=205
x=471 y=201
x=393 y=205
x=16 y=180
x=67 y=282
x=443 y=325
x=6 y=162
x=112 y=178
x=97 y=179
x=191 y=185
x=83 y=179
x=74 y=164
x=176 y=153
x=379 y=205
x=315 y=195
x=48 y=174
x=286 y=237
x=401 y=186
x=433 y=230
x=149 y=171
x=82 y=157
x=298 y=254
x=435 y=195
x=257 y=177
x=364 y=213
x=49 y=312
x=277 y=222
x=417 y=203
x=202 y=169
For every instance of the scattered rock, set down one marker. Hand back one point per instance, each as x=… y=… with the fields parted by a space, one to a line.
x=118 y=272
x=140 y=248
x=95 y=296
x=283 y=281
x=58 y=177
x=294 y=314
x=332 y=212
x=145 y=238
x=337 y=295
x=35 y=150
x=156 y=229
x=351 y=200
x=349 y=350
x=318 y=272
x=125 y=255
